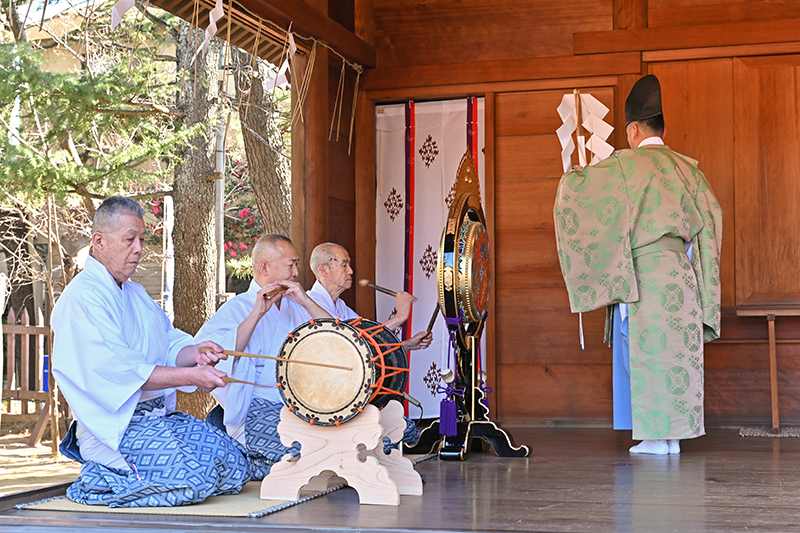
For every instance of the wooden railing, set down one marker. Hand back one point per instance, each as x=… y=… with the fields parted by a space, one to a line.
x=26 y=382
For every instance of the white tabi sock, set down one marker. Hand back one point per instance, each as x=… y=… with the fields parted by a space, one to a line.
x=652 y=447
x=674 y=446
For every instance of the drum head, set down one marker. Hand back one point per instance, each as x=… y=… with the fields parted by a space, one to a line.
x=325 y=396
x=474 y=270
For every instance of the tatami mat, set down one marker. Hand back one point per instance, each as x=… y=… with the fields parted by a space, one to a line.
x=247 y=503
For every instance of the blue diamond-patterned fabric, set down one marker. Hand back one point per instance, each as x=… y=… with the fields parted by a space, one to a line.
x=410 y=436
x=174 y=459
x=261 y=434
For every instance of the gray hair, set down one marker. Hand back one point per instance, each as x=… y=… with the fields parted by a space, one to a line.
x=111 y=208
x=324 y=254
x=265 y=243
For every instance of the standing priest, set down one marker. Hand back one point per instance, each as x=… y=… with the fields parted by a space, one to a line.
x=118 y=361
x=642 y=229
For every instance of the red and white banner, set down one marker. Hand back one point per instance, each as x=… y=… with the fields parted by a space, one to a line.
x=420 y=145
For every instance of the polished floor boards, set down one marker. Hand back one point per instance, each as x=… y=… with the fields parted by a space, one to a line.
x=581 y=480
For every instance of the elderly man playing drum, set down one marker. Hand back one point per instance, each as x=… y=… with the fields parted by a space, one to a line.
x=118 y=361
x=257 y=322
x=330 y=263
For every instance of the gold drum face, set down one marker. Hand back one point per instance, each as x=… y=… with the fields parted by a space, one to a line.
x=474 y=270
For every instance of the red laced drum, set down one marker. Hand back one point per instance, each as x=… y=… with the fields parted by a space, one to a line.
x=330 y=397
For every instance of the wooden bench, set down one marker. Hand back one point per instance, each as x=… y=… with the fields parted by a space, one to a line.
x=771 y=313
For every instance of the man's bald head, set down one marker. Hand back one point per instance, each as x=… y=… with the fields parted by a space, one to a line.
x=331 y=265
x=267 y=245
x=274 y=259
x=325 y=254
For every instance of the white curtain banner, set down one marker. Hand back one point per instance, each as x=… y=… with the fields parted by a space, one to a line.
x=419 y=147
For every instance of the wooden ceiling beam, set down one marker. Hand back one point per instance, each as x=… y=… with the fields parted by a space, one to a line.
x=308 y=21
x=504 y=71
x=684 y=37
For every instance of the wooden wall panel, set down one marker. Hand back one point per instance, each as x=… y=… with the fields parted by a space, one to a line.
x=553 y=392
x=537 y=337
x=699 y=124
x=665 y=13
x=424 y=32
x=768 y=193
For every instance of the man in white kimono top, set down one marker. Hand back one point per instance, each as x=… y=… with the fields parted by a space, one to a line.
x=254 y=323
x=330 y=264
x=118 y=361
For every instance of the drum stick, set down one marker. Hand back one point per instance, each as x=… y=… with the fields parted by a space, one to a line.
x=366 y=283
x=434 y=317
x=282 y=360
x=228 y=379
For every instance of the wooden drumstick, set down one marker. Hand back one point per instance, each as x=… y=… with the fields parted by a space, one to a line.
x=366 y=283
x=228 y=379
x=433 y=318
x=282 y=360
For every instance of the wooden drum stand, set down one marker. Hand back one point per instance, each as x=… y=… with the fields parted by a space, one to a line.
x=352 y=451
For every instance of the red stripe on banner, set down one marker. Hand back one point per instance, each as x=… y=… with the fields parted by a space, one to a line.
x=410 y=187
x=474 y=133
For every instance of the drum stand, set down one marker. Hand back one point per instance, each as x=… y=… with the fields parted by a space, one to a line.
x=473 y=418
x=352 y=451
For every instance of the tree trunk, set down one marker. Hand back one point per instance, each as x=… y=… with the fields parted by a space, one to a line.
x=267 y=162
x=193 y=195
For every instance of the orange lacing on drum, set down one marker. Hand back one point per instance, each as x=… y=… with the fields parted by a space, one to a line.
x=382 y=350
x=360 y=409
x=312 y=322
x=337 y=322
x=291 y=336
x=337 y=422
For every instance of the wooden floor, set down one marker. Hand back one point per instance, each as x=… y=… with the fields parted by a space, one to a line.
x=576 y=480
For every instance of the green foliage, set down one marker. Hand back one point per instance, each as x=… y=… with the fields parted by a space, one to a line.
x=93 y=128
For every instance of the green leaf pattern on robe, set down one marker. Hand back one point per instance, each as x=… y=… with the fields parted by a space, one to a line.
x=617 y=225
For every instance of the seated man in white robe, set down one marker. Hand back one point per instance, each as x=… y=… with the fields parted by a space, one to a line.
x=330 y=264
x=118 y=361
x=257 y=323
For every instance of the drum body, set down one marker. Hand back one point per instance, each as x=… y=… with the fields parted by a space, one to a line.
x=328 y=396
x=464 y=266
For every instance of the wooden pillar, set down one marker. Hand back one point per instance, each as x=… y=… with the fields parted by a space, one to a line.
x=630 y=14
x=310 y=161
x=365 y=159
x=365 y=202
x=365 y=21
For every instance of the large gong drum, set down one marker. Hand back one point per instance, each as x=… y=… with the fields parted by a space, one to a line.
x=331 y=396
x=464 y=266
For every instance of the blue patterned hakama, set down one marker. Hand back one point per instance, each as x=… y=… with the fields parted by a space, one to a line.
x=174 y=459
